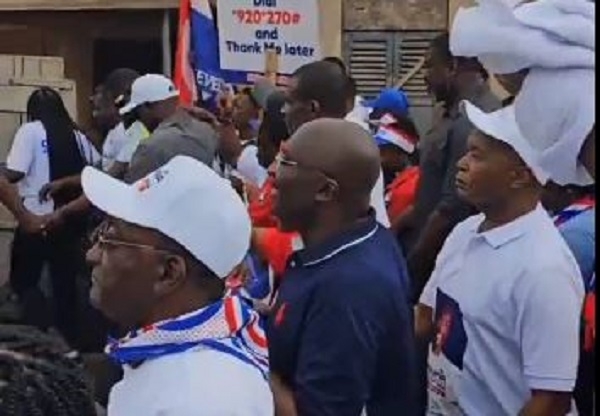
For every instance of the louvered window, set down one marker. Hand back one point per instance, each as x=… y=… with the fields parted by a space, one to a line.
x=377 y=60
x=381 y=59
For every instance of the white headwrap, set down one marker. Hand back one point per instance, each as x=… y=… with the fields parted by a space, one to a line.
x=555 y=40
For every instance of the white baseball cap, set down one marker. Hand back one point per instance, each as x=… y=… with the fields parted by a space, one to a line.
x=184 y=200
x=149 y=88
x=502 y=125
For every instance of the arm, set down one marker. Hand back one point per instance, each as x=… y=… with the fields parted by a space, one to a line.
x=549 y=310
x=547 y=403
x=402 y=221
x=50 y=189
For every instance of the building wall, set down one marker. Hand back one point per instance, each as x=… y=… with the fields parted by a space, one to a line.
x=13 y=5
x=395 y=14
x=71 y=35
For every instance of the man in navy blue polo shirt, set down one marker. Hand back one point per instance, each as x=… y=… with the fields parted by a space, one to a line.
x=340 y=335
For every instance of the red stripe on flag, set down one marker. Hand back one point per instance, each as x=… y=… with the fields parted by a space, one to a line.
x=184 y=74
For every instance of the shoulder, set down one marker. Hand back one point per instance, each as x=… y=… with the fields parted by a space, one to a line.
x=375 y=268
x=32 y=129
x=550 y=263
x=173 y=383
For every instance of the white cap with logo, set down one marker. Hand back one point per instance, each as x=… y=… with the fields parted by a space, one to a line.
x=502 y=125
x=186 y=201
x=149 y=88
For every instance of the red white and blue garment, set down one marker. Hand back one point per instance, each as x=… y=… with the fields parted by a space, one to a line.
x=229 y=326
x=573 y=210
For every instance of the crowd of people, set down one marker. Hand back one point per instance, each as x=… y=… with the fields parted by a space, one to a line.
x=300 y=251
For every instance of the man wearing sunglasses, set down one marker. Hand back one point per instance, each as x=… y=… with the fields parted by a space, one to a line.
x=159 y=262
x=340 y=335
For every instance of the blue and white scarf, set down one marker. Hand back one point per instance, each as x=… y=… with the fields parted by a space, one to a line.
x=229 y=326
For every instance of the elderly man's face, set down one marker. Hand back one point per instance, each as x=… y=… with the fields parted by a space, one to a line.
x=125 y=273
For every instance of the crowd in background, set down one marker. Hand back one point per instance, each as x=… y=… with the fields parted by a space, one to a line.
x=302 y=250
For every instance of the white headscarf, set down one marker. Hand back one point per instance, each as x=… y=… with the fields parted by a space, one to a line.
x=555 y=40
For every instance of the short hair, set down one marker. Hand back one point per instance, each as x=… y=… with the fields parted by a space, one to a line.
x=337 y=61
x=203 y=276
x=119 y=81
x=441 y=46
x=39 y=377
x=325 y=83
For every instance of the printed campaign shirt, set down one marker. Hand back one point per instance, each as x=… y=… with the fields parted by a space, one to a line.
x=501 y=301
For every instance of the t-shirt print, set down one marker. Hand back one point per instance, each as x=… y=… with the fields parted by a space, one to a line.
x=445 y=362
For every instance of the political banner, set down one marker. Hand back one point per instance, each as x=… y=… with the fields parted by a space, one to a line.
x=247 y=28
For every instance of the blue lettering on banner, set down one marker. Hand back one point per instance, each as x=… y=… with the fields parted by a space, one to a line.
x=233 y=46
x=265 y=3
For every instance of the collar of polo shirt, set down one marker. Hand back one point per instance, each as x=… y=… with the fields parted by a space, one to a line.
x=499 y=236
x=311 y=256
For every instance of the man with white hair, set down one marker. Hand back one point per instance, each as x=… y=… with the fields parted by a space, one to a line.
x=159 y=263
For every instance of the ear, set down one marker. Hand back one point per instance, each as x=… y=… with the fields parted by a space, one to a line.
x=315 y=107
x=521 y=178
x=172 y=277
x=327 y=192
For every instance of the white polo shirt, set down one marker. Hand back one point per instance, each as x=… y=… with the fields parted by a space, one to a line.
x=115 y=141
x=507 y=307
x=196 y=382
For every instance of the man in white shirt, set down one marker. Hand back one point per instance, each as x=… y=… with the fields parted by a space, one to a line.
x=505 y=295
x=113 y=91
x=159 y=263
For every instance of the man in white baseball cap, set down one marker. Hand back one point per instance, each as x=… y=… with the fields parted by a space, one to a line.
x=504 y=300
x=158 y=267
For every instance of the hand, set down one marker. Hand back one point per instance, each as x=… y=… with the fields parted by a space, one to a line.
x=54 y=222
x=285 y=405
x=49 y=190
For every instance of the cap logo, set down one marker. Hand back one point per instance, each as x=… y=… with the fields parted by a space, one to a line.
x=152 y=179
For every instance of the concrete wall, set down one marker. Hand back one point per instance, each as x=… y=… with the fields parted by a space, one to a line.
x=395 y=14
x=85 y=4
x=71 y=35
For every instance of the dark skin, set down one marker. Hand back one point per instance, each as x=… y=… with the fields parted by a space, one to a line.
x=494 y=179
x=323 y=187
x=244 y=111
x=299 y=111
x=449 y=83
x=137 y=286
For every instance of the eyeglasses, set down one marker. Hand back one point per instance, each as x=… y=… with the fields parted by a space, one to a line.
x=98 y=238
x=282 y=160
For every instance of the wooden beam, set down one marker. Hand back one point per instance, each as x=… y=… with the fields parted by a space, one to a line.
x=18 y=5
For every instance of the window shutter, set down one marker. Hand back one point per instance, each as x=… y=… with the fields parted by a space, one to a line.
x=369 y=57
x=410 y=50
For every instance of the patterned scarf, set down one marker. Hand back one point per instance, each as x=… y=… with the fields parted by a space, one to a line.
x=229 y=326
x=580 y=206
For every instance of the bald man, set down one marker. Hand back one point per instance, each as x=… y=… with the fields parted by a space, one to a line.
x=340 y=332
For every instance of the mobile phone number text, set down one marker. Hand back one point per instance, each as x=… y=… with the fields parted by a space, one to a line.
x=266 y=17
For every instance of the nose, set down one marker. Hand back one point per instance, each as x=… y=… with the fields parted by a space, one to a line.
x=94 y=255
